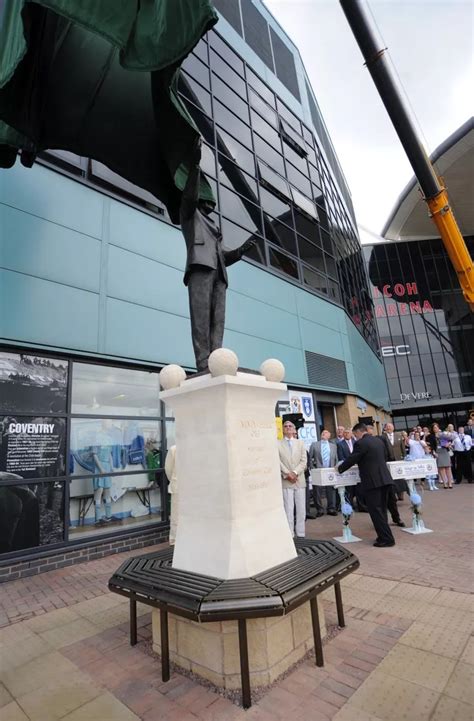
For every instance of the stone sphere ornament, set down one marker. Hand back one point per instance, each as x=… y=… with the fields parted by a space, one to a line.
x=171 y=377
x=273 y=370
x=223 y=362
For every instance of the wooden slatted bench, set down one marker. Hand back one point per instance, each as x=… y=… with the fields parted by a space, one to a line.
x=150 y=579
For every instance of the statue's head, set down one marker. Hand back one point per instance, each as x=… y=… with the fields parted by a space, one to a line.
x=206 y=206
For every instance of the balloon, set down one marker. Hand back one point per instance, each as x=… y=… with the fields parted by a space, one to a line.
x=415 y=499
x=346 y=509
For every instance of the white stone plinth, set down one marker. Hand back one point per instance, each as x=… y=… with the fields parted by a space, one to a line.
x=231 y=520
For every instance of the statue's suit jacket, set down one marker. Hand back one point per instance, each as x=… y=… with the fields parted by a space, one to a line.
x=294 y=460
x=203 y=237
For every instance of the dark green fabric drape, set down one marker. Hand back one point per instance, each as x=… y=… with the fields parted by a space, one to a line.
x=99 y=78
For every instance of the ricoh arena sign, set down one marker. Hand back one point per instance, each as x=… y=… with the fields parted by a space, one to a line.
x=384 y=308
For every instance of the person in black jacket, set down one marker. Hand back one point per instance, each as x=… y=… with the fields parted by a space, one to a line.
x=375 y=480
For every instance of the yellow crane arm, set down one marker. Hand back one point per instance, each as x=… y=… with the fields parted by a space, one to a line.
x=443 y=216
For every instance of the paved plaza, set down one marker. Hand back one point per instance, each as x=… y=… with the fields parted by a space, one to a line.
x=407 y=653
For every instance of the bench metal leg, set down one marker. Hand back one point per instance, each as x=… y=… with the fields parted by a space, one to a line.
x=340 y=610
x=165 y=648
x=318 y=646
x=133 y=622
x=244 y=663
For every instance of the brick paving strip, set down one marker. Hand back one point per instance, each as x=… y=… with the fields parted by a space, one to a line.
x=407 y=653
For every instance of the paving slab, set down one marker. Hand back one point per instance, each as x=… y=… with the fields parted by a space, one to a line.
x=394 y=699
x=460 y=686
x=450 y=709
x=435 y=639
x=13 y=712
x=421 y=667
x=468 y=653
x=103 y=708
x=53 y=701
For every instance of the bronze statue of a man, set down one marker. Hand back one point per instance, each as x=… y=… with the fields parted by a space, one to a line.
x=205 y=274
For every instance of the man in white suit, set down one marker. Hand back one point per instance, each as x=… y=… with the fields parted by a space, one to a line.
x=292 y=465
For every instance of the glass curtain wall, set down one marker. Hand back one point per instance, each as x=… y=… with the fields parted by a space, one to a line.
x=270 y=179
x=426 y=328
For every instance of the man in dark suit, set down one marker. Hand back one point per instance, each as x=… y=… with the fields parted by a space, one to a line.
x=375 y=480
x=345 y=446
x=205 y=273
x=323 y=454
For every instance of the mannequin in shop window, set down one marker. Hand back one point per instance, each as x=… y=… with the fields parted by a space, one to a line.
x=102 y=454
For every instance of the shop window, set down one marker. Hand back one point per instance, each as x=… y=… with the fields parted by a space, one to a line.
x=115 y=480
x=106 y=391
x=105 y=505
